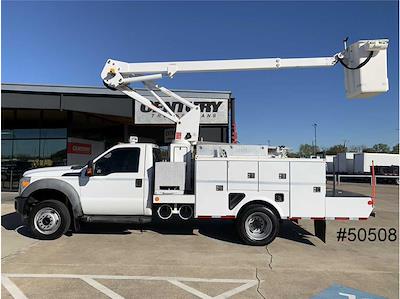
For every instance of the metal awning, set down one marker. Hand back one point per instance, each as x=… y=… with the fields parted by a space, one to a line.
x=96 y=100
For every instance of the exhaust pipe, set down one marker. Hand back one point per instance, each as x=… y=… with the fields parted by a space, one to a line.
x=185 y=212
x=164 y=212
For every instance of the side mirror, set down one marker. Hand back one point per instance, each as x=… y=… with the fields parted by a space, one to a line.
x=89 y=168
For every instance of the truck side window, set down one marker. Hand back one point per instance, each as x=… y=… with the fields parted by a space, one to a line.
x=118 y=160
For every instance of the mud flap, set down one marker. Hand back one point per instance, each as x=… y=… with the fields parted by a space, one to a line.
x=320 y=229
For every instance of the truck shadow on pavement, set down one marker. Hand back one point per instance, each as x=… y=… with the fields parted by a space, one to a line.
x=13 y=221
x=223 y=230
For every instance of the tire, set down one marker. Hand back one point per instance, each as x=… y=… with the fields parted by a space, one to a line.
x=257 y=225
x=49 y=220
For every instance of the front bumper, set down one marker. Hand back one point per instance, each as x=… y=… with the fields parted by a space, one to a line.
x=21 y=205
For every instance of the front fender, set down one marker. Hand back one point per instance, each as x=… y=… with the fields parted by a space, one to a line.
x=61 y=186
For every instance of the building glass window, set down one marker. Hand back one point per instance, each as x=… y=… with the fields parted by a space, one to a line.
x=24 y=149
x=53 y=133
x=26 y=116
x=54 y=119
x=6 y=149
x=7 y=134
x=7 y=117
x=26 y=133
x=53 y=152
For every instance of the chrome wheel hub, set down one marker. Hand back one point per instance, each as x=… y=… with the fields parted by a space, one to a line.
x=47 y=221
x=258 y=226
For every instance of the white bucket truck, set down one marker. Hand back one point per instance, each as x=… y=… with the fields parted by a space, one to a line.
x=252 y=185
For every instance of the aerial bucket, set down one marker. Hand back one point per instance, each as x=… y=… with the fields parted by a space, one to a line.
x=365 y=68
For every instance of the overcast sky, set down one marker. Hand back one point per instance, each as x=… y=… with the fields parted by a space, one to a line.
x=67 y=43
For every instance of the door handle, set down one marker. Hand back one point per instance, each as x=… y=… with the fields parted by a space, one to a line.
x=138 y=183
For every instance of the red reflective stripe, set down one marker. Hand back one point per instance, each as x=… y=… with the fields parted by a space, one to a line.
x=318 y=218
x=228 y=217
x=178 y=135
x=204 y=217
x=294 y=218
x=363 y=218
x=342 y=218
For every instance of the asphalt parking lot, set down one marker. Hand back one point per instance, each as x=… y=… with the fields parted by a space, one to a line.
x=204 y=261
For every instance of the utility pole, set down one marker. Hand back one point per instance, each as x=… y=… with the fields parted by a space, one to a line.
x=315 y=138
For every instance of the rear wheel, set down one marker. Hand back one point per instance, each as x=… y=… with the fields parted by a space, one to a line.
x=49 y=220
x=258 y=225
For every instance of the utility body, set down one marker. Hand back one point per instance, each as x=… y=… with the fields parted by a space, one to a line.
x=257 y=186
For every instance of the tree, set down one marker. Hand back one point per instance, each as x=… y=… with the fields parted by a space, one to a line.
x=381 y=148
x=307 y=150
x=336 y=149
x=395 y=149
x=293 y=155
x=368 y=150
x=357 y=148
x=378 y=148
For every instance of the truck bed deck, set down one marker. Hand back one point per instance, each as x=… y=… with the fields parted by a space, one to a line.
x=342 y=193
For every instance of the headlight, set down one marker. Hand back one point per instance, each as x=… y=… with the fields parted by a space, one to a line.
x=23 y=183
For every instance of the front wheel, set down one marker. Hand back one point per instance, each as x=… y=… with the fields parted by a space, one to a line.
x=49 y=220
x=258 y=225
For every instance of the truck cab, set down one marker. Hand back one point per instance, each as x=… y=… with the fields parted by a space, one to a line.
x=116 y=186
x=120 y=182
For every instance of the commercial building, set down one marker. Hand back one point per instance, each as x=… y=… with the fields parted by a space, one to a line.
x=63 y=125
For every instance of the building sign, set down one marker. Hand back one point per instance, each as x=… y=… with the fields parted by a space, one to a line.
x=212 y=111
x=79 y=148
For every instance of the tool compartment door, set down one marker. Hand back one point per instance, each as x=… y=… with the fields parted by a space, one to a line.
x=243 y=175
x=211 y=188
x=307 y=189
x=274 y=175
x=274 y=183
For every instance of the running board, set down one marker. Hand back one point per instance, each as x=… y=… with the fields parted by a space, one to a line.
x=116 y=219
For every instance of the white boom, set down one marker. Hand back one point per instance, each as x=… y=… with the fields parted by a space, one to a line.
x=365 y=76
x=173 y=67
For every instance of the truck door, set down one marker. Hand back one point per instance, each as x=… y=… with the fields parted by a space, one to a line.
x=116 y=187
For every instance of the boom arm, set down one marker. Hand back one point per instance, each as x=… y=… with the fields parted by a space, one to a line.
x=171 y=68
x=118 y=74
